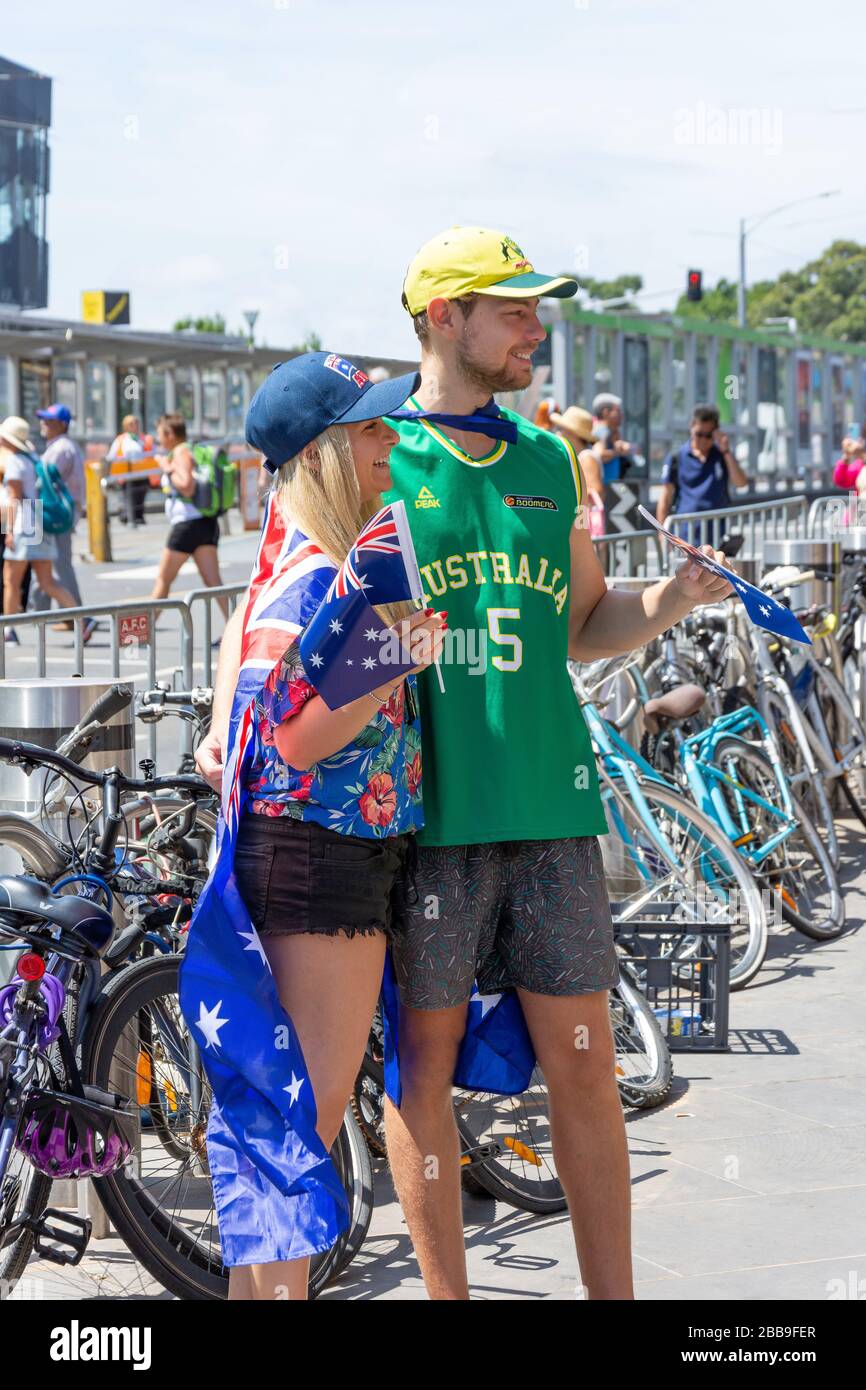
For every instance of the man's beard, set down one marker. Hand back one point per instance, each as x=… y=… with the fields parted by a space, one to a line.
x=489 y=380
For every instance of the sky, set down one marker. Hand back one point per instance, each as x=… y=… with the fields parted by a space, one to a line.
x=291 y=155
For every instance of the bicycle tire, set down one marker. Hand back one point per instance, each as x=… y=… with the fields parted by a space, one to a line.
x=842 y=723
x=501 y=1178
x=649 y=1093
x=158 y=1242
x=813 y=796
x=748 y=960
x=42 y=859
x=747 y=753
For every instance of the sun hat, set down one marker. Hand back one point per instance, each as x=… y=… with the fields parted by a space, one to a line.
x=575 y=420
x=16 y=433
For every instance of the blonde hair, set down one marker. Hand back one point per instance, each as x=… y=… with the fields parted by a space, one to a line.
x=130 y=424
x=318 y=492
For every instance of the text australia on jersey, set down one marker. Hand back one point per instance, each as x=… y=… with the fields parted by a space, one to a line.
x=493 y=567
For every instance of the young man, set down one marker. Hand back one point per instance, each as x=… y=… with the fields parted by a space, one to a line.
x=509 y=875
x=697 y=477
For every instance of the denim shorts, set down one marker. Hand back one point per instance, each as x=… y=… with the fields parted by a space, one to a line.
x=297 y=876
x=23 y=549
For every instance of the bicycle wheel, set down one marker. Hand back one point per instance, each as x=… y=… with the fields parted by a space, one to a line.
x=806 y=785
x=162 y=1204
x=644 y=1066
x=701 y=879
x=515 y=1132
x=798 y=871
x=847 y=738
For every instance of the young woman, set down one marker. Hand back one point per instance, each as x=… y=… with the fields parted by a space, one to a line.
x=191 y=533
x=25 y=544
x=334 y=795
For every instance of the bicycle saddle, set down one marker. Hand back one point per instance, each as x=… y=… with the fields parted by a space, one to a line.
x=22 y=898
x=676 y=704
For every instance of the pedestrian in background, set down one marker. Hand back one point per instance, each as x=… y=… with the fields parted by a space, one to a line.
x=849 y=472
x=577 y=426
x=64 y=453
x=190 y=533
x=130 y=447
x=26 y=544
x=698 y=476
x=615 y=454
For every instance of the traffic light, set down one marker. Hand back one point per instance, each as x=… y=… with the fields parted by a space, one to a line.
x=694 y=287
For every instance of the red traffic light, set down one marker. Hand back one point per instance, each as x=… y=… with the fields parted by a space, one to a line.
x=694 y=286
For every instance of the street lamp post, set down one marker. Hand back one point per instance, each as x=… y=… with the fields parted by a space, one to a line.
x=746 y=231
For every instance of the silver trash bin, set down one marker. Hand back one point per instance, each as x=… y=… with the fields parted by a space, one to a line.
x=45 y=710
x=807 y=555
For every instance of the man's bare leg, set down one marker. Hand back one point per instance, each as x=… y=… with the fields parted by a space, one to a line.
x=424 y=1149
x=574 y=1045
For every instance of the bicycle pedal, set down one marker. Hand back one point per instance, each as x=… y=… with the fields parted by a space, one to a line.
x=76 y=1239
x=483 y=1153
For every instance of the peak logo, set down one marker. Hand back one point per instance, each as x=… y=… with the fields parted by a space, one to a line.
x=425 y=498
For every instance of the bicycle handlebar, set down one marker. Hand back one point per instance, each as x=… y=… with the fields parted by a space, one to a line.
x=17 y=752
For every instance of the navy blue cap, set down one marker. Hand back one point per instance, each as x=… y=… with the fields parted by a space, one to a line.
x=306 y=395
x=56 y=412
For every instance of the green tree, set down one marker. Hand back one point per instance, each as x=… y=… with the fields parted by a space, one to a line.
x=312 y=343
x=827 y=296
x=617 y=288
x=215 y=323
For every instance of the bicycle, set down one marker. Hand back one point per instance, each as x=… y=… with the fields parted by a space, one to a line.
x=662 y=849
x=138 y=1060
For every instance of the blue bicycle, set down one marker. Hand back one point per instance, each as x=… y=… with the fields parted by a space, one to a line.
x=664 y=856
x=734 y=772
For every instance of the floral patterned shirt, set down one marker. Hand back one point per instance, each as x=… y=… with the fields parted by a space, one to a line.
x=371 y=787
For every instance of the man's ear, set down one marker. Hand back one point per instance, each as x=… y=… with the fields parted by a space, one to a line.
x=441 y=316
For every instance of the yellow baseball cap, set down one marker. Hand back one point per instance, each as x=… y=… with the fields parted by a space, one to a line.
x=476 y=260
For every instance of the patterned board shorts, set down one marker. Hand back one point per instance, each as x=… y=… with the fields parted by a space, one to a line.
x=528 y=913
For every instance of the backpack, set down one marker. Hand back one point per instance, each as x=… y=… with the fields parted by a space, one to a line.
x=216 y=479
x=58 y=508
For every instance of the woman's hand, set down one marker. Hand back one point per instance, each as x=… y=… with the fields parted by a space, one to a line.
x=700 y=585
x=209 y=758
x=422 y=635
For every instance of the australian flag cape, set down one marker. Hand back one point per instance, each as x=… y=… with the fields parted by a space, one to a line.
x=277 y=1194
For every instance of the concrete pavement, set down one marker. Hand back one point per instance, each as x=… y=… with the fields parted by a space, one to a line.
x=749 y=1183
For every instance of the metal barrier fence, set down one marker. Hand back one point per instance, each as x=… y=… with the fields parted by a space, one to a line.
x=172 y=638
x=644 y=553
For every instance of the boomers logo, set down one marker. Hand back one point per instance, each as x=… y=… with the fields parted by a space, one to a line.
x=530 y=502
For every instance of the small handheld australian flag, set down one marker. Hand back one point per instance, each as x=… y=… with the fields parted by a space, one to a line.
x=763 y=610
x=345 y=649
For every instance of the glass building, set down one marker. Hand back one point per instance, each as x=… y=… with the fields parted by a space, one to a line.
x=25 y=116
x=786 y=399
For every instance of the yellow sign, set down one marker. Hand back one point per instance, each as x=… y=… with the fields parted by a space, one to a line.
x=105 y=306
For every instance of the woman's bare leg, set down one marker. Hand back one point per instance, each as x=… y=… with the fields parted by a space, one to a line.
x=207 y=562
x=49 y=585
x=328 y=986
x=13 y=574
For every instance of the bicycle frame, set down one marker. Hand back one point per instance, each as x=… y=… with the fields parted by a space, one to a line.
x=706 y=781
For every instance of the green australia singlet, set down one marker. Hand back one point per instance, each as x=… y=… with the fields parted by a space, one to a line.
x=507 y=753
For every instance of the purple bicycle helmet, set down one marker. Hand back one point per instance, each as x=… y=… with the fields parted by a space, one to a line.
x=67 y=1136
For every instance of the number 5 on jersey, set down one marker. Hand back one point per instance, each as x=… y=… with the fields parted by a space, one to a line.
x=505 y=639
